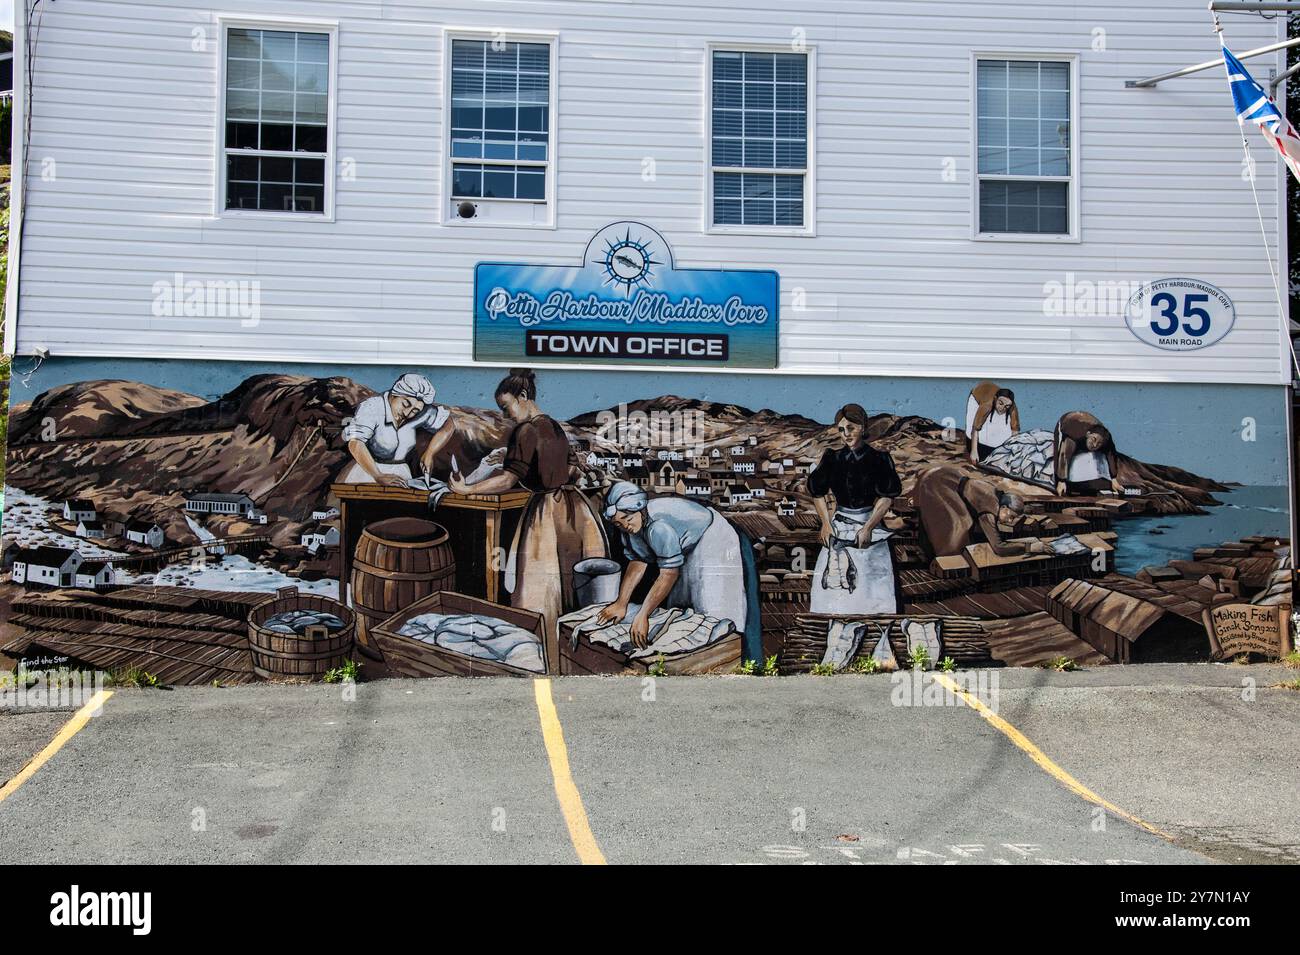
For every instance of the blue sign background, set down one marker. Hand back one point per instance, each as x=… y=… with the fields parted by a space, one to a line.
x=627 y=283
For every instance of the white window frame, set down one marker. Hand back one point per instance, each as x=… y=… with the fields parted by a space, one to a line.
x=225 y=22
x=809 y=227
x=551 y=165
x=1074 y=180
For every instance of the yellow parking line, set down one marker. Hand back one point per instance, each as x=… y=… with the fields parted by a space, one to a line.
x=1042 y=759
x=575 y=816
x=69 y=730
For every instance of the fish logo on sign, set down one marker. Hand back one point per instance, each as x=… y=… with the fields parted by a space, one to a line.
x=1180 y=314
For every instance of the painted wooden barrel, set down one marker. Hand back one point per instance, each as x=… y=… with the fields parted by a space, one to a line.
x=397 y=561
x=306 y=655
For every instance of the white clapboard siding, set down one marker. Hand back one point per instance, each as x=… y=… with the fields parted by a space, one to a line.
x=892 y=283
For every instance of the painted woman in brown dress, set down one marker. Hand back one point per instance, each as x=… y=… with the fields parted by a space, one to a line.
x=559 y=527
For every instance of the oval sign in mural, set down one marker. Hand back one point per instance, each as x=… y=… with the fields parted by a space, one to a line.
x=1180 y=314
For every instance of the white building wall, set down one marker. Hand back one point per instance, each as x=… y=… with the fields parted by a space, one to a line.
x=120 y=193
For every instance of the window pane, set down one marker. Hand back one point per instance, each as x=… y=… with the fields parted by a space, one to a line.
x=313 y=48
x=500 y=110
x=477 y=181
x=245 y=44
x=241 y=135
x=1023 y=127
x=310 y=139
x=278 y=136
x=531 y=184
x=243 y=74
x=278 y=76
x=275 y=183
x=466 y=180
x=726 y=211
x=242 y=104
x=757 y=199
x=1024 y=206
x=760 y=119
x=277 y=83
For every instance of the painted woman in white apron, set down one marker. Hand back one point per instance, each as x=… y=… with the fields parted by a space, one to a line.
x=383 y=429
x=855 y=569
x=994 y=424
x=1086 y=461
x=699 y=556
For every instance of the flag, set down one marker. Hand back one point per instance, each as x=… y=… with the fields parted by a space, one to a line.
x=1252 y=103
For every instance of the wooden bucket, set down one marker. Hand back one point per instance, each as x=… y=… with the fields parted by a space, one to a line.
x=397 y=562
x=301 y=655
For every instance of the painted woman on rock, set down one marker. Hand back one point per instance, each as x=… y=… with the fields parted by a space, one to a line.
x=701 y=560
x=382 y=432
x=855 y=569
x=559 y=527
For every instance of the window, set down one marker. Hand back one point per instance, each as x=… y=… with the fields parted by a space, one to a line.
x=277 y=120
x=759 y=140
x=500 y=120
x=1024 y=147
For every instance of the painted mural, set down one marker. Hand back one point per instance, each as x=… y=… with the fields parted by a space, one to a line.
x=292 y=523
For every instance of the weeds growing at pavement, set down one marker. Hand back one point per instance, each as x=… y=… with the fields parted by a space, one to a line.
x=746 y=668
x=864 y=665
x=134 y=677
x=1292 y=660
x=947 y=664
x=1061 y=664
x=822 y=669
x=920 y=656
x=344 y=674
x=769 y=666
x=659 y=667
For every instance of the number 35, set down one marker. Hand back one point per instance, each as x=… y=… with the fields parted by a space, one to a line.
x=1168 y=306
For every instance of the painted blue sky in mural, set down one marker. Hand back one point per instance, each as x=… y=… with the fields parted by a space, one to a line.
x=1198 y=427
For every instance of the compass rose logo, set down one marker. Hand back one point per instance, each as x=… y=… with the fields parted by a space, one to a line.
x=628 y=262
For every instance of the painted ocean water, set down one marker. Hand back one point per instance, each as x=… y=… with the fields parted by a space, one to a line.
x=1246 y=511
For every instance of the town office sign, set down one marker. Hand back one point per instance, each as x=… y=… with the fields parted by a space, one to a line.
x=627 y=303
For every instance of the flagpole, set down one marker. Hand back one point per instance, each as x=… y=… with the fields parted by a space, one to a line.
x=1283 y=315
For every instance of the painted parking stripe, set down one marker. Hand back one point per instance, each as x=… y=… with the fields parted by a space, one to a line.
x=1042 y=759
x=69 y=730
x=575 y=816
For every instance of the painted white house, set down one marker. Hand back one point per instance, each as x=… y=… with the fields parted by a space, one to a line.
x=738 y=494
x=240 y=505
x=94 y=574
x=319 y=537
x=146 y=533
x=91 y=529
x=694 y=487
x=45 y=566
x=78 y=510
x=325 y=514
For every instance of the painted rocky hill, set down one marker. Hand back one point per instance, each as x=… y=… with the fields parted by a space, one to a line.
x=914 y=442
x=134 y=450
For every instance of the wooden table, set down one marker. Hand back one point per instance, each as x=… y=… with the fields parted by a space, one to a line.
x=477 y=525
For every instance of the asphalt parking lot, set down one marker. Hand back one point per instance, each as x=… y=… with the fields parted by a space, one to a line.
x=1195 y=764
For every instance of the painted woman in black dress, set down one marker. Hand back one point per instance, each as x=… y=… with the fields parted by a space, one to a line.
x=559 y=527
